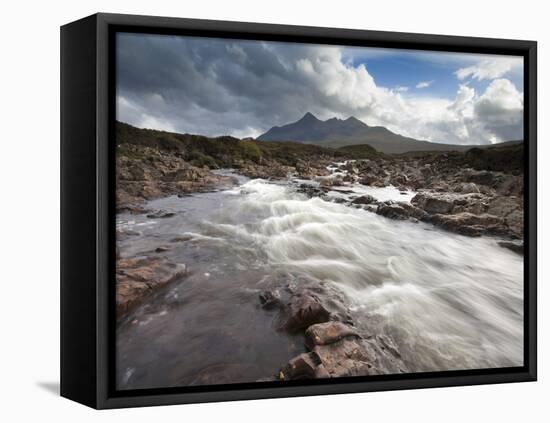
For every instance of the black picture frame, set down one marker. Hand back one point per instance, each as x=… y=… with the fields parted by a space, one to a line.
x=87 y=209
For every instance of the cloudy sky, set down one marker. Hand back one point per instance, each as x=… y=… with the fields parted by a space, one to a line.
x=242 y=88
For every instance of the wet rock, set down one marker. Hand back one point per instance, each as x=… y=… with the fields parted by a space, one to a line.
x=304 y=366
x=511 y=210
x=481 y=177
x=162 y=249
x=310 y=190
x=469 y=188
x=306 y=301
x=353 y=356
x=344 y=358
x=369 y=180
x=122 y=234
x=400 y=211
x=515 y=246
x=433 y=203
x=307 y=170
x=126 y=204
x=266 y=170
x=351 y=167
x=304 y=310
x=183 y=238
x=160 y=214
x=364 y=199
x=510 y=185
x=470 y=224
x=337 y=200
x=137 y=278
x=426 y=170
x=400 y=180
x=270 y=299
x=328 y=333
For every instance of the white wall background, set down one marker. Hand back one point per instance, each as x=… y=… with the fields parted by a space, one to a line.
x=29 y=220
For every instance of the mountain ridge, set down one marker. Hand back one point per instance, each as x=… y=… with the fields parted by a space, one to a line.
x=336 y=133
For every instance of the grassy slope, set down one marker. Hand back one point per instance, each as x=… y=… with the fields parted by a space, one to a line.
x=221 y=151
x=225 y=151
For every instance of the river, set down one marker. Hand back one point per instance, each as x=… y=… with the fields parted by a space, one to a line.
x=447 y=301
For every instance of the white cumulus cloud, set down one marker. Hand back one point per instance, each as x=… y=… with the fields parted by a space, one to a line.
x=489 y=68
x=401 y=89
x=424 y=84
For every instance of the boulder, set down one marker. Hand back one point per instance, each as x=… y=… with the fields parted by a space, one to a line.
x=481 y=177
x=303 y=366
x=364 y=199
x=433 y=203
x=304 y=310
x=470 y=224
x=400 y=211
x=328 y=333
x=369 y=179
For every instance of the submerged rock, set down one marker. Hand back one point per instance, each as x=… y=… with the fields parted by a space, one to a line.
x=160 y=214
x=270 y=299
x=515 y=246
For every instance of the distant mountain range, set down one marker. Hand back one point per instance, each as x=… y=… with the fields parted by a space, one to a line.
x=337 y=133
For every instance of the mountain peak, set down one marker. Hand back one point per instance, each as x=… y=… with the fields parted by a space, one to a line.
x=309 y=116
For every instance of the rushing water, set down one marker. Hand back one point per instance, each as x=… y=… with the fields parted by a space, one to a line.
x=448 y=301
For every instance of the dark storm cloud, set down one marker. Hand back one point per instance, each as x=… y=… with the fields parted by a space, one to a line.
x=207 y=86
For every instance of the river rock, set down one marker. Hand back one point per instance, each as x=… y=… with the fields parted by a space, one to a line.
x=137 y=278
x=310 y=190
x=470 y=224
x=302 y=302
x=469 y=188
x=160 y=214
x=400 y=211
x=303 y=366
x=511 y=210
x=328 y=333
x=433 y=203
x=364 y=199
x=515 y=246
x=481 y=177
x=304 y=310
x=270 y=299
x=351 y=356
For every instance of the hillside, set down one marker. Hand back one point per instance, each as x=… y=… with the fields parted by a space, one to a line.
x=218 y=152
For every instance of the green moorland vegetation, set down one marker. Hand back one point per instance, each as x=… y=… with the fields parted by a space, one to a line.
x=225 y=151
